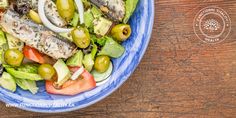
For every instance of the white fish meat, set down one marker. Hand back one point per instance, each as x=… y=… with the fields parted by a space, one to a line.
x=53 y=15
x=23 y=7
x=37 y=36
x=114 y=9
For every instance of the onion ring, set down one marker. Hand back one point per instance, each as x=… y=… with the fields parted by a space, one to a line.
x=48 y=24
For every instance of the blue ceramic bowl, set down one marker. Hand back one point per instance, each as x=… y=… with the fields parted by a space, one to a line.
x=141 y=23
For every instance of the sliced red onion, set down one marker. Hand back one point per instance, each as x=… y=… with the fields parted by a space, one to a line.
x=77 y=73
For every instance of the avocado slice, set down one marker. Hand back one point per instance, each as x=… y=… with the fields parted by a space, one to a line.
x=112 y=49
x=102 y=26
x=8 y=82
x=88 y=62
x=76 y=60
x=63 y=72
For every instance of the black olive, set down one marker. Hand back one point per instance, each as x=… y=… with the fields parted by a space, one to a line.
x=88 y=49
x=22 y=7
x=1 y=70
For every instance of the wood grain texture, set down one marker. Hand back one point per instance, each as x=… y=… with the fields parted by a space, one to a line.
x=179 y=76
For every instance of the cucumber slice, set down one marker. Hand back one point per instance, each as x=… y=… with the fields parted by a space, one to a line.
x=8 y=82
x=99 y=77
x=102 y=82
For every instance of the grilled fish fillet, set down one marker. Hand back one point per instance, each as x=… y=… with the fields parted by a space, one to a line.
x=53 y=15
x=114 y=9
x=50 y=10
x=36 y=36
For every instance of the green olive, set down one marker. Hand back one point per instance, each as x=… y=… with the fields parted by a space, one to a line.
x=13 y=57
x=35 y=16
x=46 y=71
x=102 y=63
x=66 y=9
x=121 y=32
x=81 y=37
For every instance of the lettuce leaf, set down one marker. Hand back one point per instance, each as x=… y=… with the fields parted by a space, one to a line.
x=130 y=6
x=27 y=85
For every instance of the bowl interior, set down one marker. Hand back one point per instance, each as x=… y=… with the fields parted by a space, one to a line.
x=141 y=23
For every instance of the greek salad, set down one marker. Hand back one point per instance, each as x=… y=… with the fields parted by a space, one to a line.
x=69 y=44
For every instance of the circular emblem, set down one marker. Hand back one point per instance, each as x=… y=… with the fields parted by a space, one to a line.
x=212 y=24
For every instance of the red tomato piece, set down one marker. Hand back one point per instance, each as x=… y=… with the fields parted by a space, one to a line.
x=33 y=54
x=73 y=87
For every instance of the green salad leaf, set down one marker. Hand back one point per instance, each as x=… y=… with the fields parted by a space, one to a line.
x=96 y=12
x=23 y=75
x=3 y=45
x=101 y=41
x=130 y=6
x=88 y=18
x=30 y=68
x=27 y=85
x=75 y=21
x=94 y=50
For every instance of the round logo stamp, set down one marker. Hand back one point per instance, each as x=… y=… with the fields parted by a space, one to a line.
x=212 y=24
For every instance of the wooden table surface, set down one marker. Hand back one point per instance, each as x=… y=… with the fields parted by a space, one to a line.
x=180 y=76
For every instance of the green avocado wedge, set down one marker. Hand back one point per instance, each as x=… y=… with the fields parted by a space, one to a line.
x=63 y=72
x=112 y=49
